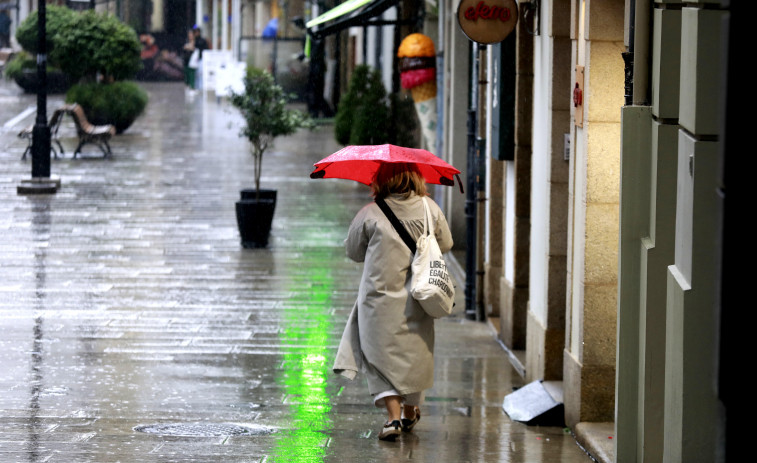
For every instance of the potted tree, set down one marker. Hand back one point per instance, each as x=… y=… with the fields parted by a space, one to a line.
x=263 y=105
x=23 y=66
x=102 y=55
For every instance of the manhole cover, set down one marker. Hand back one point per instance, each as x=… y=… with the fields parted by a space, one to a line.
x=203 y=429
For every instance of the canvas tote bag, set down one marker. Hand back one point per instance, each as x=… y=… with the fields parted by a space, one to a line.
x=431 y=284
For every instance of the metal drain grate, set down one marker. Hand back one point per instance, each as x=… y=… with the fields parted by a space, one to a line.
x=203 y=429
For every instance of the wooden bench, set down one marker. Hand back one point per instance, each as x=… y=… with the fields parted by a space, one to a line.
x=54 y=125
x=99 y=135
x=87 y=132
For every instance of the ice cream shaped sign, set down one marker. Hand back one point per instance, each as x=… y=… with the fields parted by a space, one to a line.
x=417 y=63
x=487 y=21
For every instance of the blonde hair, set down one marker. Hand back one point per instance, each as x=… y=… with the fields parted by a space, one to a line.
x=398 y=178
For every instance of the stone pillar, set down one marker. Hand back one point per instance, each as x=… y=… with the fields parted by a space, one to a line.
x=494 y=241
x=648 y=186
x=517 y=201
x=589 y=356
x=494 y=192
x=692 y=410
x=546 y=307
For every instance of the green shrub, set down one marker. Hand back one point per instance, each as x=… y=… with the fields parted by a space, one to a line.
x=97 y=43
x=85 y=44
x=353 y=102
x=368 y=116
x=15 y=67
x=118 y=103
x=371 y=116
x=89 y=46
x=57 y=18
x=20 y=62
x=403 y=122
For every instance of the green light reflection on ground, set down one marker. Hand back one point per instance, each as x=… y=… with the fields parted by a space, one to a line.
x=306 y=326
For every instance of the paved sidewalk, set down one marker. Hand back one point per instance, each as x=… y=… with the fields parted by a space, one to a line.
x=135 y=328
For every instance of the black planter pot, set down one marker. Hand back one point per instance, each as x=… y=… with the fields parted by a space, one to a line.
x=57 y=82
x=254 y=217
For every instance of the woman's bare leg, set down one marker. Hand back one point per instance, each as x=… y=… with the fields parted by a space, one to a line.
x=393 y=406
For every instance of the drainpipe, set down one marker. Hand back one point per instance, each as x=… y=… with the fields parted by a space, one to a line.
x=628 y=54
x=473 y=310
x=642 y=20
x=641 y=11
x=481 y=181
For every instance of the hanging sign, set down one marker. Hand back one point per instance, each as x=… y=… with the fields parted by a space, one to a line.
x=487 y=21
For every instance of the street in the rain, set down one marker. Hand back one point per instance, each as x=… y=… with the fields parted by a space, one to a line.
x=136 y=328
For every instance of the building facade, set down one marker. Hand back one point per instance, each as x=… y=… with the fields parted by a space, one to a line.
x=601 y=241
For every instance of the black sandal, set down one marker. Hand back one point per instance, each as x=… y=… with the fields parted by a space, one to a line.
x=390 y=431
x=408 y=424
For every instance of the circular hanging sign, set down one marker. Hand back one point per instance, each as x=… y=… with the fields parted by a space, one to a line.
x=487 y=21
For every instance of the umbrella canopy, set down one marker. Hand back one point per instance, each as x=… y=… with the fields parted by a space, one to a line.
x=360 y=163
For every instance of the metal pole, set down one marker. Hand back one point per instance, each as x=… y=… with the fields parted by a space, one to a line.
x=471 y=193
x=480 y=177
x=336 y=86
x=41 y=131
x=275 y=54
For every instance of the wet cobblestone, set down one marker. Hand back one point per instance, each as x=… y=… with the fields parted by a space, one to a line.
x=126 y=300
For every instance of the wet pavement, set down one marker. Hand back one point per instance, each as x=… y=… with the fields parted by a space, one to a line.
x=135 y=328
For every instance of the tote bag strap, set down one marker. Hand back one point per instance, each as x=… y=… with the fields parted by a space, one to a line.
x=396 y=224
x=426 y=218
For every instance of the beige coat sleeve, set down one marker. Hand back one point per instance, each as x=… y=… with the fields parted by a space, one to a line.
x=356 y=243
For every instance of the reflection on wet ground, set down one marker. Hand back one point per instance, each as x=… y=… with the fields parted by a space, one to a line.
x=136 y=328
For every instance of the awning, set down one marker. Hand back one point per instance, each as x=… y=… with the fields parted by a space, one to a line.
x=339 y=10
x=352 y=13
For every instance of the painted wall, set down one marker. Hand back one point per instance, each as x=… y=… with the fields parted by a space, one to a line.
x=540 y=173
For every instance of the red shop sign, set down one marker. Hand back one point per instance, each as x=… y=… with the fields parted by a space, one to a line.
x=487 y=21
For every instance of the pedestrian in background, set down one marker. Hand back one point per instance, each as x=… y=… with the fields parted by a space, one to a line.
x=5 y=29
x=388 y=336
x=200 y=45
x=190 y=67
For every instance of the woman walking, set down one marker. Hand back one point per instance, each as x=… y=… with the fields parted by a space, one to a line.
x=190 y=67
x=388 y=337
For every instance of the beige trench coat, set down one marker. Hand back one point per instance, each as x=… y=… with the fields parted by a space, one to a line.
x=388 y=336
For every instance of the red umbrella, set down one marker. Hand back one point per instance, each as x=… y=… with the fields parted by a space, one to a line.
x=360 y=163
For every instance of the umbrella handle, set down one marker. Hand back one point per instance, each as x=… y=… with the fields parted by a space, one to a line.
x=457 y=176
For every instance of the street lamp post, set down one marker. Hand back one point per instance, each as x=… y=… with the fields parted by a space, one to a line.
x=41 y=132
x=40 y=181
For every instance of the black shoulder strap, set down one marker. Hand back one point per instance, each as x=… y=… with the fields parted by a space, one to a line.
x=396 y=223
